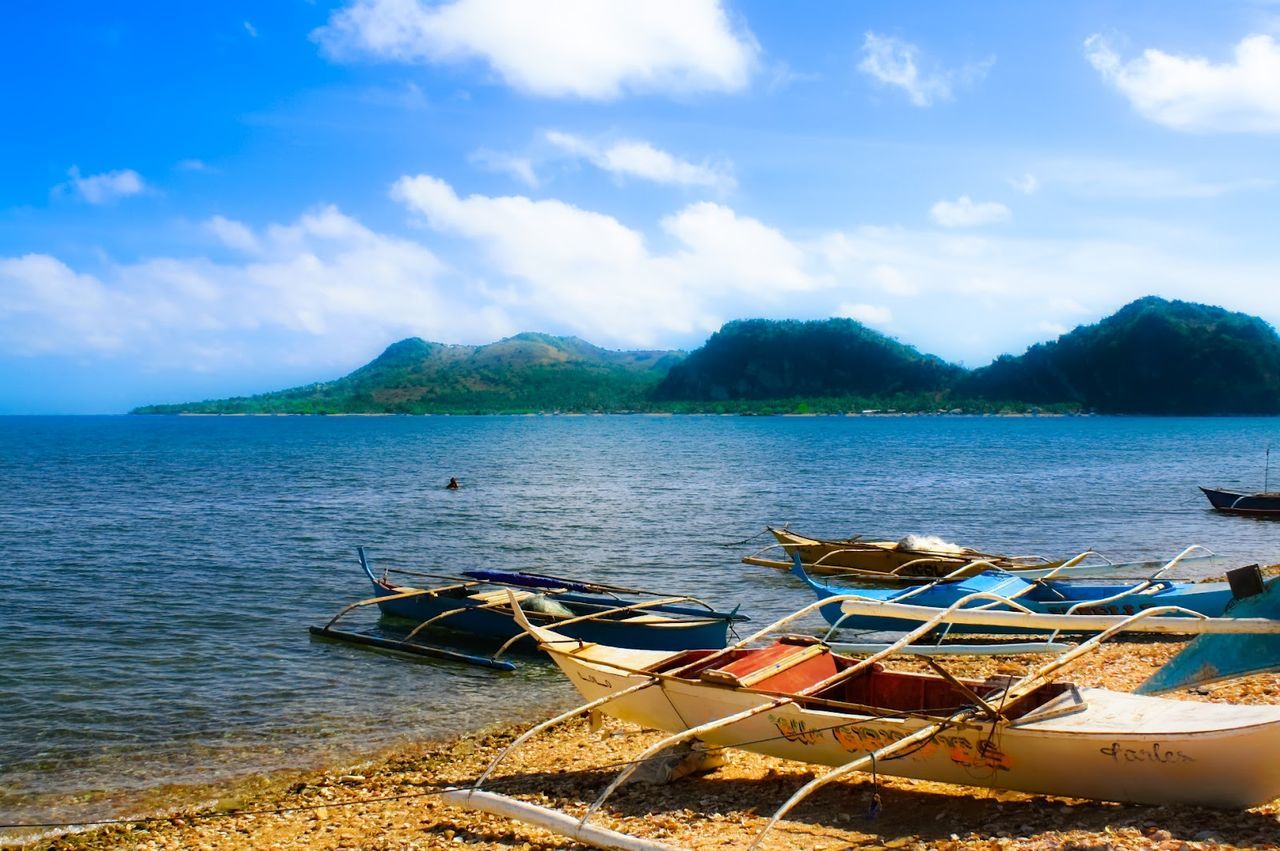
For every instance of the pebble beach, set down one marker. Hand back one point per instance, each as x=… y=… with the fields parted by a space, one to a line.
x=390 y=801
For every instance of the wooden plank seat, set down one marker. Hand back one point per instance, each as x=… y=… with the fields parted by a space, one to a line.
x=786 y=666
x=500 y=595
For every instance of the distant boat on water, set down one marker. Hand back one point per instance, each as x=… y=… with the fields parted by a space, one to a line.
x=1265 y=503
x=1261 y=504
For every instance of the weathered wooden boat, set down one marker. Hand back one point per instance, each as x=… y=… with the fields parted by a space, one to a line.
x=796 y=699
x=1026 y=734
x=995 y=590
x=908 y=562
x=476 y=604
x=1251 y=504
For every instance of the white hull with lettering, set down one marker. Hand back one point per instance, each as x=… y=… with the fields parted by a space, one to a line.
x=1068 y=741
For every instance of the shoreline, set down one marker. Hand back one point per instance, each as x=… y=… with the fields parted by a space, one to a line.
x=568 y=766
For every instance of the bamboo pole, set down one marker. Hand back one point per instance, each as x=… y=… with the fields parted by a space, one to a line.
x=677 y=738
x=548 y=819
x=403 y=595
x=551 y=722
x=1191 y=623
x=664 y=601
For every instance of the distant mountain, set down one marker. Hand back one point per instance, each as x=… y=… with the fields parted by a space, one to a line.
x=527 y=372
x=1152 y=357
x=756 y=359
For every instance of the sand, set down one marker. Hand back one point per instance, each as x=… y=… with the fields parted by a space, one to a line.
x=567 y=767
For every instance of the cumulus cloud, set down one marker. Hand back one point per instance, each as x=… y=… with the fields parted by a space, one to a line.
x=590 y=49
x=323 y=286
x=964 y=212
x=1194 y=94
x=326 y=289
x=103 y=188
x=601 y=277
x=641 y=160
x=898 y=63
x=868 y=314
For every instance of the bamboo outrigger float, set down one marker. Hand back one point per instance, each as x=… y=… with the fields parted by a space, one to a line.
x=909 y=562
x=796 y=699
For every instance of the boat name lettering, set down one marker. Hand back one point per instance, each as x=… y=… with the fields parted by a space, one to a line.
x=1108 y=610
x=1144 y=754
x=795 y=730
x=591 y=678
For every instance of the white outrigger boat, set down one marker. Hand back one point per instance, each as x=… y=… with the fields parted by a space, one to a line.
x=796 y=699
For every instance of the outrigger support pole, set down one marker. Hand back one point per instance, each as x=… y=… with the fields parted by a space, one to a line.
x=691 y=733
x=859 y=764
x=551 y=722
x=650 y=604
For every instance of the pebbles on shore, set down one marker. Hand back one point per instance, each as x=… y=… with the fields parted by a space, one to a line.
x=389 y=804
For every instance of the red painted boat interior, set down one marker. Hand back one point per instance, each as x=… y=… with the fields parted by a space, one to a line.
x=895 y=691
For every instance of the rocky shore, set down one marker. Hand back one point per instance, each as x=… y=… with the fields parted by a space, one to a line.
x=390 y=803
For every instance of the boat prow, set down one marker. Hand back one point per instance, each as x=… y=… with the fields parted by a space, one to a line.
x=1215 y=658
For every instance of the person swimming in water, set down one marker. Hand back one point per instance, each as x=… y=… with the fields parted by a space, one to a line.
x=453 y=484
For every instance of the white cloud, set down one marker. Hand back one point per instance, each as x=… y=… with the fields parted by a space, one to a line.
x=639 y=159
x=317 y=290
x=1053 y=329
x=232 y=234
x=327 y=290
x=1117 y=179
x=895 y=62
x=250 y=29
x=521 y=168
x=591 y=49
x=964 y=212
x=192 y=165
x=1027 y=184
x=589 y=271
x=103 y=188
x=1194 y=94
x=868 y=314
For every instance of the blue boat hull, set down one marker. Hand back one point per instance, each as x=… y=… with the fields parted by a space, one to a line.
x=1233 y=502
x=1215 y=658
x=1047 y=597
x=701 y=631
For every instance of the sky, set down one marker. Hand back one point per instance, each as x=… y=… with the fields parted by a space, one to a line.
x=204 y=200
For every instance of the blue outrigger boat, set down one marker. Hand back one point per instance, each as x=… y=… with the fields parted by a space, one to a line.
x=999 y=590
x=476 y=604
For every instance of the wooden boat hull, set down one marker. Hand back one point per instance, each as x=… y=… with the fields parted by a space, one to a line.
x=1253 y=505
x=887 y=556
x=1113 y=746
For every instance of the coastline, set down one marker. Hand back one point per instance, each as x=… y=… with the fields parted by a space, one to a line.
x=387 y=801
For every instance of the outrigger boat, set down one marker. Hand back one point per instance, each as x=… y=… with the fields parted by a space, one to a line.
x=1264 y=504
x=476 y=603
x=910 y=561
x=796 y=699
x=1047 y=596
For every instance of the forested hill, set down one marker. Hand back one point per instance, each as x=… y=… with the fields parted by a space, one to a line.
x=759 y=359
x=1153 y=356
x=527 y=372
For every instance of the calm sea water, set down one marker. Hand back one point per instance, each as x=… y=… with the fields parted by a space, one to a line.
x=157 y=575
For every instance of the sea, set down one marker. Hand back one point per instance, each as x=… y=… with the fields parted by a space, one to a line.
x=158 y=574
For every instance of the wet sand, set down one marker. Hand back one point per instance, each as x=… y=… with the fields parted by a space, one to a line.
x=567 y=767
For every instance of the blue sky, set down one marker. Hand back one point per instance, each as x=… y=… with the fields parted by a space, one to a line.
x=200 y=201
